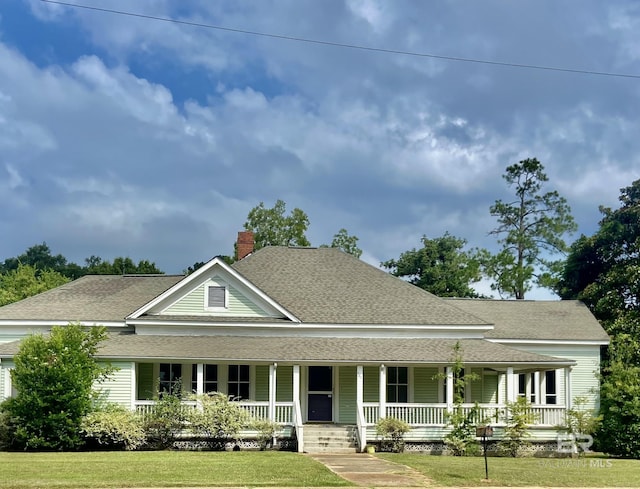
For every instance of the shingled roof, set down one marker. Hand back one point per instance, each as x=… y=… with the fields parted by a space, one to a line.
x=328 y=286
x=91 y=298
x=289 y=349
x=535 y=320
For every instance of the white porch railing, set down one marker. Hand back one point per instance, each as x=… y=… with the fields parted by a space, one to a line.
x=255 y=409
x=436 y=414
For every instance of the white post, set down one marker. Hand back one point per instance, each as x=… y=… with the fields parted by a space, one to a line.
x=449 y=380
x=272 y=391
x=568 y=402
x=296 y=383
x=362 y=430
x=200 y=379
x=511 y=385
x=359 y=386
x=134 y=386
x=383 y=392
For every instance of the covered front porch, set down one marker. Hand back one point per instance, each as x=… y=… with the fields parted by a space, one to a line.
x=294 y=395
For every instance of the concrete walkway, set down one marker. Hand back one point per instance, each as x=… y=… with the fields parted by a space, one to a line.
x=368 y=471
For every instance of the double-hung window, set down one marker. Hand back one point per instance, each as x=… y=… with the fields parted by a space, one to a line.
x=397 y=384
x=551 y=394
x=210 y=379
x=170 y=378
x=238 y=382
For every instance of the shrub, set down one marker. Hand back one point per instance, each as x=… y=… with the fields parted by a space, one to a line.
x=392 y=431
x=7 y=427
x=218 y=418
x=516 y=431
x=54 y=377
x=165 y=422
x=267 y=431
x=113 y=428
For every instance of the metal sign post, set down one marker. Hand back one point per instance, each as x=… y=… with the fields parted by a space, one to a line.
x=485 y=432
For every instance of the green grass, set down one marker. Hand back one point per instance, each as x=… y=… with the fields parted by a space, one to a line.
x=162 y=469
x=503 y=471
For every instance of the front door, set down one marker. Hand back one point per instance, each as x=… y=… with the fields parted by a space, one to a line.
x=320 y=400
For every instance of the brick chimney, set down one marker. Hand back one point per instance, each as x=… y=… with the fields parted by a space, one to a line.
x=245 y=244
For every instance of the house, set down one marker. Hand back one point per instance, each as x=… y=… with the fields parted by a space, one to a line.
x=304 y=336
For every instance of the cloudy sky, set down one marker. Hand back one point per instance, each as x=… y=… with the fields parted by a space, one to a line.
x=128 y=136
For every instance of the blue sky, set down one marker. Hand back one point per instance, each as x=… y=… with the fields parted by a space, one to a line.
x=129 y=136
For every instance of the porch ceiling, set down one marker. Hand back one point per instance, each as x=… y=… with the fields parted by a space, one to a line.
x=319 y=350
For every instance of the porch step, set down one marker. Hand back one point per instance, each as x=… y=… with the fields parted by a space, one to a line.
x=330 y=438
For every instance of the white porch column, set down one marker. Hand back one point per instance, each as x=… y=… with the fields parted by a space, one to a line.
x=272 y=391
x=297 y=415
x=296 y=384
x=134 y=386
x=200 y=379
x=449 y=388
x=511 y=385
x=359 y=386
x=535 y=382
x=383 y=392
x=568 y=402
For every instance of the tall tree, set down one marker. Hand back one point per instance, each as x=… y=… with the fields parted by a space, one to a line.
x=441 y=266
x=25 y=281
x=603 y=270
x=344 y=241
x=271 y=227
x=530 y=228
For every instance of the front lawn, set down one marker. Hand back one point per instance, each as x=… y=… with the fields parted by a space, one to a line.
x=504 y=471
x=161 y=469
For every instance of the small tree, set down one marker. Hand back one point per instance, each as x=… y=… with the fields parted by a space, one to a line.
x=54 y=377
x=461 y=440
x=392 y=431
x=516 y=432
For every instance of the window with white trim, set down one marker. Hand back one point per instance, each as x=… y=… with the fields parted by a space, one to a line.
x=170 y=378
x=238 y=382
x=210 y=378
x=550 y=383
x=397 y=384
x=216 y=297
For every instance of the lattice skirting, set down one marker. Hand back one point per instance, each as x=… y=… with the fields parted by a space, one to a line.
x=284 y=444
x=534 y=449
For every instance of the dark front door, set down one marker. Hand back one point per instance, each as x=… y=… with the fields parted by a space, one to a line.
x=320 y=400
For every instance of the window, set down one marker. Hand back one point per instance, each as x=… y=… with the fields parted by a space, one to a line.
x=397 y=384
x=210 y=381
x=238 y=382
x=527 y=386
x=170 y=378
x=216 y=297
x=551 y=386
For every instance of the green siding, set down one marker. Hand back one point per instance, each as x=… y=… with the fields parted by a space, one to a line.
x=118 y=387
x=3 y=368
x=262 y=383
x=347 y=395
x=193 y=303
x=490 y=388
x=371 y=391
x=146 y=384
x=476 y=385
x=584 y=380
x=425 y=387
x=284 y=384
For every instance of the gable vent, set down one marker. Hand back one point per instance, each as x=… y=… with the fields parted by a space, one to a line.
x=216 y=296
